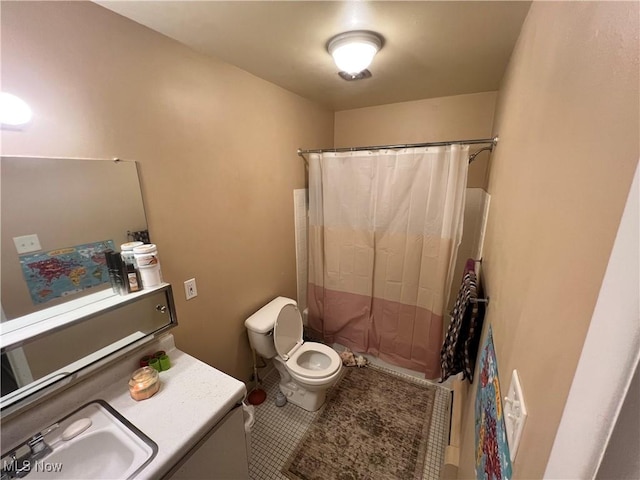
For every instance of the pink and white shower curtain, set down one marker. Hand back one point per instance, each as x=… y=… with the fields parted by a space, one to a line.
x=384 y=229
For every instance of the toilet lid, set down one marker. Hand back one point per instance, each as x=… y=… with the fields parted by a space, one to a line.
x=287 y=331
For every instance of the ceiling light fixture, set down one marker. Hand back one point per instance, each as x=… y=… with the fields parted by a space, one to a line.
x=353 y=51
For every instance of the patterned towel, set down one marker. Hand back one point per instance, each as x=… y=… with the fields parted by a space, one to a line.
x=460 y=345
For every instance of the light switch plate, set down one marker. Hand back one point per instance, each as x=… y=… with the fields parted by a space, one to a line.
x=515 y=414
x=27 y=243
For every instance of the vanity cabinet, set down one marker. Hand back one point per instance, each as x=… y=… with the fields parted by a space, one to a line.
x=221 y=454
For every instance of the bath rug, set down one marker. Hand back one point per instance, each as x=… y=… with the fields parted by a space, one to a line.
x=374 y=425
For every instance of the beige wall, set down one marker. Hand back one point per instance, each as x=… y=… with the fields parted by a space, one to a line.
x=216 y=146
x=567 y=117
x=460 y=117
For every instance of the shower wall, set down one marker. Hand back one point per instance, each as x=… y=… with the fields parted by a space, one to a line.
x=300 y=218
x=476 y=210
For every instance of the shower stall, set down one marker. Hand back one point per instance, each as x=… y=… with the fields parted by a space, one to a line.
x=384 y=228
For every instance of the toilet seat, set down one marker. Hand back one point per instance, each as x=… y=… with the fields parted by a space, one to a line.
x=287 y=337
x=311 y=373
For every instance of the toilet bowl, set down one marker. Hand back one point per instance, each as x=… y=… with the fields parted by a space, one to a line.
x=307 y=369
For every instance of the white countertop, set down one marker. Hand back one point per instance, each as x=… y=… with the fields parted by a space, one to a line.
x=192 y=398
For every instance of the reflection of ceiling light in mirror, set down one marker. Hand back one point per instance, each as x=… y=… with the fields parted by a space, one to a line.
x=354 y=51
x=14 y=111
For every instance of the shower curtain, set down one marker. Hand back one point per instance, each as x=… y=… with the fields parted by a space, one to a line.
x=384 y=229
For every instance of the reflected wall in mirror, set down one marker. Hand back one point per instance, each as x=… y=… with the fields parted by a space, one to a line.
x=41 y=361
x=67 y=203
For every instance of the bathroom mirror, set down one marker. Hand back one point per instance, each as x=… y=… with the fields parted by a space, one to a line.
x=57 y=216
x=77 y=339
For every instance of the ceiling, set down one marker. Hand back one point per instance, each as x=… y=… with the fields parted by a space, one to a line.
x=431 y=49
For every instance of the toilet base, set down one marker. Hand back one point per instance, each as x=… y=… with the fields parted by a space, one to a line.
x=309 y=400
x=305 y=399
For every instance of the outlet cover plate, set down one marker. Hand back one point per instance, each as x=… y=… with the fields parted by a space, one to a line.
x=515 y=414
x=27 y=243
x=190 y=290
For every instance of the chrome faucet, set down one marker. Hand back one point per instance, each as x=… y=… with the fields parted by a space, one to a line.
x=39 y=448
x=18 y=463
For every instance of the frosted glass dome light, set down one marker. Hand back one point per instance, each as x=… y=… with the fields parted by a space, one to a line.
x=353 y=51
x=13 y=110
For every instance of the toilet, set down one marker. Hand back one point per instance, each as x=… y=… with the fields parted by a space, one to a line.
x=307 y=369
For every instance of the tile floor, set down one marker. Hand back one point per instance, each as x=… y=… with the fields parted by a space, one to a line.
x=278 y=430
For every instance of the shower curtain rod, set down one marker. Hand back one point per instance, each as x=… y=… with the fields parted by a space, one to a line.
x=493 y=141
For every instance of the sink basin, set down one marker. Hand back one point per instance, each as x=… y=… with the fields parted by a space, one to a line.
x=110 y=448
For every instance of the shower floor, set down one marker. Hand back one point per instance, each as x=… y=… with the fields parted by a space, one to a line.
x=278 y=430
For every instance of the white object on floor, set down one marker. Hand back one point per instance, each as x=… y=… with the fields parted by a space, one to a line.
x=281 y=400
x=361 y=361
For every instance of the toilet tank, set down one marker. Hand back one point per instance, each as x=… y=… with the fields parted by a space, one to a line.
x=260 y=326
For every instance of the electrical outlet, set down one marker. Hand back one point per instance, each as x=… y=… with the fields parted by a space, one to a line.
x=190 y=289
x=27 y=243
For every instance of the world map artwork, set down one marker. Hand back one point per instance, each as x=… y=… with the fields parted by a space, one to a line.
x=492 y=450
x=65 y=271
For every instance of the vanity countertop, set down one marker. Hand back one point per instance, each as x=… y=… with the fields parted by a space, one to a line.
x=192 y=398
